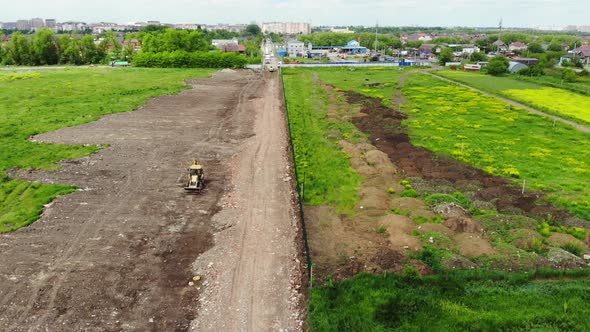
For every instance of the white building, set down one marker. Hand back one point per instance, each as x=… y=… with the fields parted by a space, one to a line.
x=291 y=28
x=295 y=47
x=220 y=43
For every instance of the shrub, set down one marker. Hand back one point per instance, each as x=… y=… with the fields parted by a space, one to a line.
x=573 y=248
x=183 y=59
x=409 y=193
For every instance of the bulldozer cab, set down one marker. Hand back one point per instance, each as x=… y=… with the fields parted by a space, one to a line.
x=195 y=177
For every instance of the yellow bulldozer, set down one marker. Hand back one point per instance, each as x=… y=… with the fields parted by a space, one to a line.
x=196 y=178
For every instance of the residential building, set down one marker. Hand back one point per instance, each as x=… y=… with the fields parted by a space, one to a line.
x=290 y=28
x=23 y=25
x=9 y=25
x=238 y=28
x=584 y=53
x=341 y=30
x=37 y=23
x=500 y=46
x=222 y=43
x=517 y=46
x=295 y=48
x=51 y=23
x=71 y=26
x=153 y=22
x=189 y=26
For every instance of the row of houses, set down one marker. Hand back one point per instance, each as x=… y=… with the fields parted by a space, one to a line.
x=296 y=48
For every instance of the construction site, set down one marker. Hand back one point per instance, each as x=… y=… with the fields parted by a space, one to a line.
x=139 y=247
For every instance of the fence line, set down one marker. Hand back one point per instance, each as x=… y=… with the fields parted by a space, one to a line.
x=300 y=190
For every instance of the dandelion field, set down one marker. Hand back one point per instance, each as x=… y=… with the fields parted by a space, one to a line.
x=502 y=140
x=559 y=102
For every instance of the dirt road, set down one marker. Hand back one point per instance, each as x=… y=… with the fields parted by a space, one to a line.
x=254 y=265
x=119 y=254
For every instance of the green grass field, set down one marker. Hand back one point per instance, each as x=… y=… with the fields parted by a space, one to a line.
x=328 y=176
x=483 y=132
x=38 y=102
x=560 y=102
x=501 y=140
x=462 y=301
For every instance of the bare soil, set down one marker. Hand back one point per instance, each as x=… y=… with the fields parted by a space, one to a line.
x=120 y=253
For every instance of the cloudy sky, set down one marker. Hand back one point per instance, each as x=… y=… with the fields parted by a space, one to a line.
x=517 y=13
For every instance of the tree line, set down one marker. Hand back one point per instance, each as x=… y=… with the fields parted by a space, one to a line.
x=164 y=45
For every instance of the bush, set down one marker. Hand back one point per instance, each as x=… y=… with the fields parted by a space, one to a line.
x=409 y=193
x=183 y=59
x=573 y=248
x=498 y=65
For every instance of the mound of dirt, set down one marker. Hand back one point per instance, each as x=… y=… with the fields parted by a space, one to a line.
x=451 y=210
x=473 y=245
x=463 y=225
x=525 y=238
x=429 y=227
x=399 y=229
x=559 y=240
x=407 y=203
x=458 y=262
x=350 y=149
x=374 y=201
x=561 y=259
x=380 y=161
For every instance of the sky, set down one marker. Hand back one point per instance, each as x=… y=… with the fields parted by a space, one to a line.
x=448 y=13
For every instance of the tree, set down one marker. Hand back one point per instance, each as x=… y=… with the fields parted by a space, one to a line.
x=253 y=30
x=535 y=48
x=446 y=55
x=498 y=65
x=478 y=56
x=19 y=50
x=88 y=51
x=44 y=48
x=569 y=75
x=555 y=47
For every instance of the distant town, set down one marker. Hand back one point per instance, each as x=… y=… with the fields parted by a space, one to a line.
x=101 y=27
x=293 y=28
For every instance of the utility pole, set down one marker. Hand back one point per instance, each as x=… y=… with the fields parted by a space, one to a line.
x=375 y=44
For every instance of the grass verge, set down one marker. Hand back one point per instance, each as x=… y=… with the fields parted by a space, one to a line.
x=457 y=301
x=322 y=168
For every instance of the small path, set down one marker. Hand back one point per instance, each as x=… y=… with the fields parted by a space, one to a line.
x=513 y=103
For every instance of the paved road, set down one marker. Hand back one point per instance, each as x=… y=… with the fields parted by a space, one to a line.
x=514 y=103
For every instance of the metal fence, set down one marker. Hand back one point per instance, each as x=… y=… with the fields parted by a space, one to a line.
x=300 y=190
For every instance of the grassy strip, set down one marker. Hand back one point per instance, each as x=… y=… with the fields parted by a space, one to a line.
x=33 y=103
x=505 y=141
x=376 y=82
x=323 y=168
x=459 y=301
x=559 y=102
